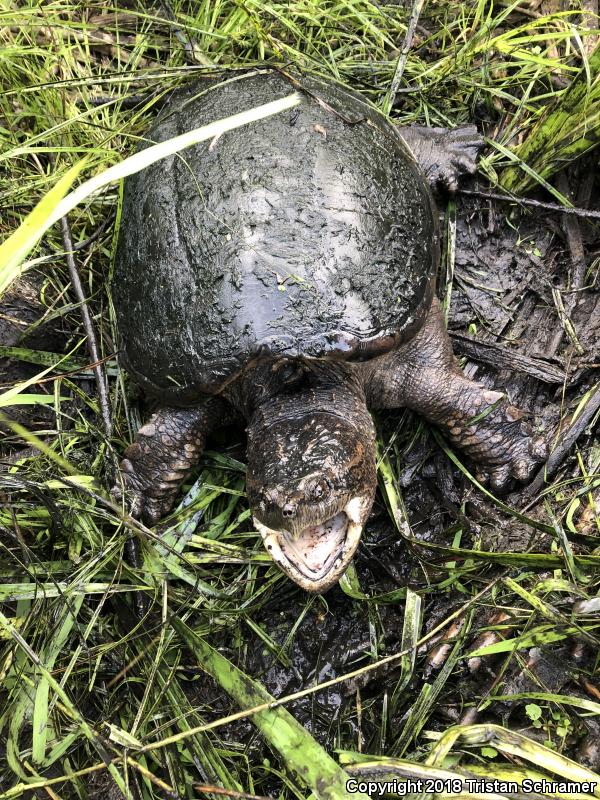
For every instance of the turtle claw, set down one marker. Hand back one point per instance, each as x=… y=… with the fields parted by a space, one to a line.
x=513 y=453
x=499 y=478
x=500 y=442
x=460 y=149
x=136 y=491
x=445 y=155
x=147 y=489
x=522 y=470
x=540 y=449
x=127 y=496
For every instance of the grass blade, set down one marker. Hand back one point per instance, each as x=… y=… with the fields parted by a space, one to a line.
x=297 y=747
x=14 y=250
x=566 y=129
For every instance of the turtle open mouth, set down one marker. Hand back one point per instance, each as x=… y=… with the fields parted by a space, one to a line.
x=317 y=556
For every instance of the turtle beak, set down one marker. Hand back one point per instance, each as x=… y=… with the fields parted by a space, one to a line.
x=317 y=556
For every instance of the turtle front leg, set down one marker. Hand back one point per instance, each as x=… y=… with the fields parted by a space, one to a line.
x=444 y=155
x=165 y=450
x=423 y=375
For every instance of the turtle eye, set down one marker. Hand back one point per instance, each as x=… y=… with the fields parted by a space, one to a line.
x=321 y=488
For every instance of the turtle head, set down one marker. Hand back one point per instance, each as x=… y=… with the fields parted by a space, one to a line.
x=311 y=483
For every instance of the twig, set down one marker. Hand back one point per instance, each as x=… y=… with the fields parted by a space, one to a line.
x=410 y=32
x=496 y=356
x=577 y=253
x=92 y=342
x=67 y=372
x=523 y=201
x=569 y=438
x=108 y=220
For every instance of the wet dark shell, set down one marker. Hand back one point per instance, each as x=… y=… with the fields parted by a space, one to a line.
x=308 y=233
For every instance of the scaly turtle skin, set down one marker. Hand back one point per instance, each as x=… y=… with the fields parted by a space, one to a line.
x=282 y=275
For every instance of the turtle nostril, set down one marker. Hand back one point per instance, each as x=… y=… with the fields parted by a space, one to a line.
x=289 y=510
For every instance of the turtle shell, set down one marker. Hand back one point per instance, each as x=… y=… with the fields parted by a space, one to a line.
x=311 y=233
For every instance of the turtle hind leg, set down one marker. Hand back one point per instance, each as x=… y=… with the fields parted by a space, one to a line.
x=444 y=154
x=423 y=375
x=165 y=450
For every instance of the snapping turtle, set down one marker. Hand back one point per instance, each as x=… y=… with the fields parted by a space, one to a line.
x=282 y=276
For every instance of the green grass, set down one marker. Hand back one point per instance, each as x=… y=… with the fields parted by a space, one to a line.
x=88 y=690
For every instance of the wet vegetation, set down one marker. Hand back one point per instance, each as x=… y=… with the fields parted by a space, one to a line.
x=464 y=641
